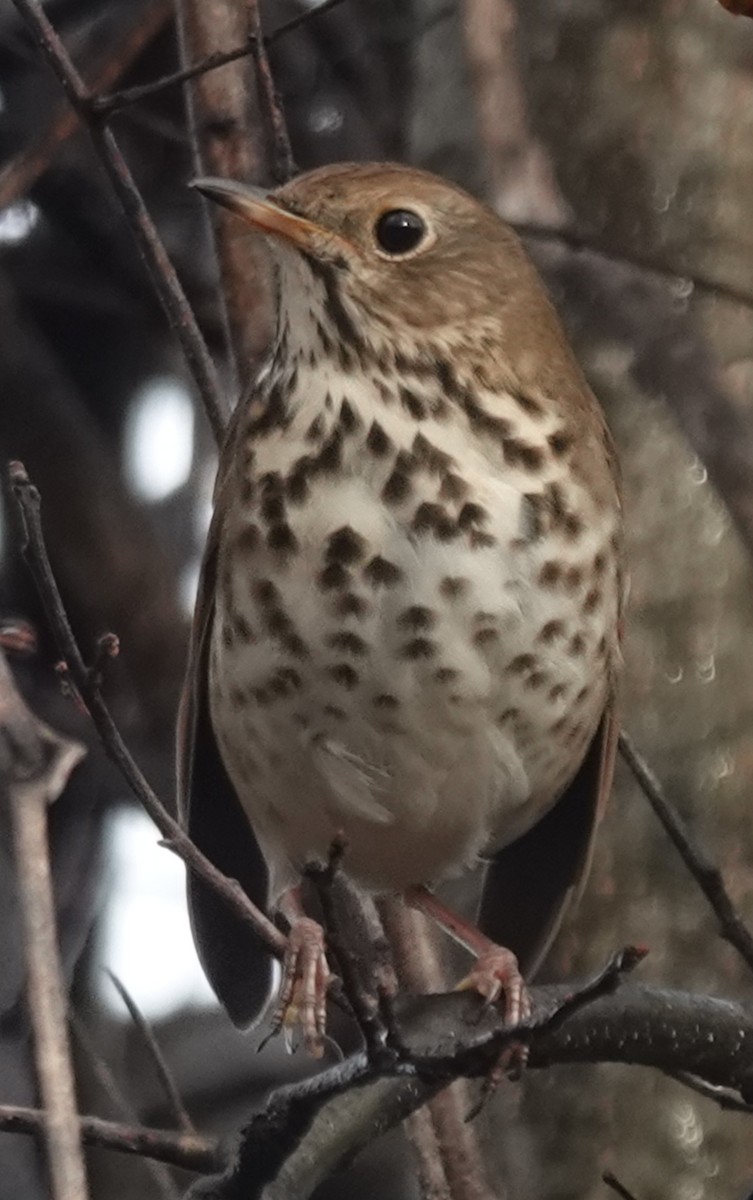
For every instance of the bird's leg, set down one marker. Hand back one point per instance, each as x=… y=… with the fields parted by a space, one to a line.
x=305 y=976
x=495 y=973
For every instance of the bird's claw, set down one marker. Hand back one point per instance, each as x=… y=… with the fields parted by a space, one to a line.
x=303 y=990
x=496 y=977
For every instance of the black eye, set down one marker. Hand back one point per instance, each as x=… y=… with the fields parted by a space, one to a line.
x=399 y=231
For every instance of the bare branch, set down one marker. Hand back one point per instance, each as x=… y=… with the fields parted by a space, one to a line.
x=185 y=1150
x=230 y=141
x=220 y=58
x=731 y=925
x=36 y=764
x=169 y=1087
x=613 y=1182
x=35 y=554
x=144 y=21
x=161 y=270
x=307 y=1130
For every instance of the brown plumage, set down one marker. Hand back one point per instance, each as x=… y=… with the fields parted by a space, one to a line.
x=407 y=622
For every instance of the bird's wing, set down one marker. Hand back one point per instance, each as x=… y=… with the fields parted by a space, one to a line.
x=530 y=884
x=236 y=962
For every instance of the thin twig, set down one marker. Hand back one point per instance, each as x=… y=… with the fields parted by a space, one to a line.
x=281 y=156
x=185 y=1150
x=727 y=1098
x=35 y=554
x=145 y=21
x=175 y=1102
x=583 y=241
x=132 y=95
x=169 y=1086
x=708 y=877
x=611 y=1180
x=105 y=1077
x=38 y=764
x=162 y=273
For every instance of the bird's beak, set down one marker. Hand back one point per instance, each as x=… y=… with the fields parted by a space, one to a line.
x=255 y=206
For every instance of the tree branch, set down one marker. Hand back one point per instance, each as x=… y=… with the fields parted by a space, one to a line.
x=189 y=1151
x=161 y=271
x=35 y=765
x=708 y=877
x=35 y=554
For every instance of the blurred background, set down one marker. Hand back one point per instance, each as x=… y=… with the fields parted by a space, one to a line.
x=627 y=123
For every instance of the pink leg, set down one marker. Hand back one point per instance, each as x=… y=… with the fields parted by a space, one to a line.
x=305 y=976
x=495 y=974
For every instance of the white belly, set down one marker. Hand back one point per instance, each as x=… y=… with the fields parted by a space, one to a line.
x=426 y=709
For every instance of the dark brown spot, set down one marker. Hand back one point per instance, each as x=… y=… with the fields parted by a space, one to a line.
x=379 y=570
x=485 y=423
x=344 y=674
x=350 y=642
x=237 y=697
x=416 y=618
x=247 y=492
x=508 y=715
x=265 y=592
x=248 y=538
x=297 y=482
x=592 y=600
x=430 y=456
x=284 y=681
x=576 y=646
x=531 y=522
x=601 y=649
x=483 y=637
x=521 y=454
x=228 y=637
x=397 y=487
x=433 y=518
x=385 y=700
x=600 y=563
x=472 y=514
x=242 y=628
x=528 y=404
x=333 y=576
x=345 y=545
x=351 y=605
x=315 y=429
x=560 y=725
x=281 y=539
x=520 y=664
x=349 y=418
x=295 y=645
x=412 y=403
x=582 y=694
x=453 y=586
x=573 y=578
x=572 y=526
x=453 y=487
x=377 y=441
x=418 y=648
x=550 y=573
x=560 y=442
x=551 y=631
x=536 y=679
x=329 y=458
x=333 y=710
x=446 y=674
x=557 y=692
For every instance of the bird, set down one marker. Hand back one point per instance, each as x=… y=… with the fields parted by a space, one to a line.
x=407 y=630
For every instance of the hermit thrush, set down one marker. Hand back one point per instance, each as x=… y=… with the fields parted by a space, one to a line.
x=407 y=625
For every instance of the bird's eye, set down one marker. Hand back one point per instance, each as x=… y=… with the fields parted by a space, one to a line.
x=399 y=231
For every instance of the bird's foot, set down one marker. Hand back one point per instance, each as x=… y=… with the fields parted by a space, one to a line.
x=301 y=1003
x=497 y=978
